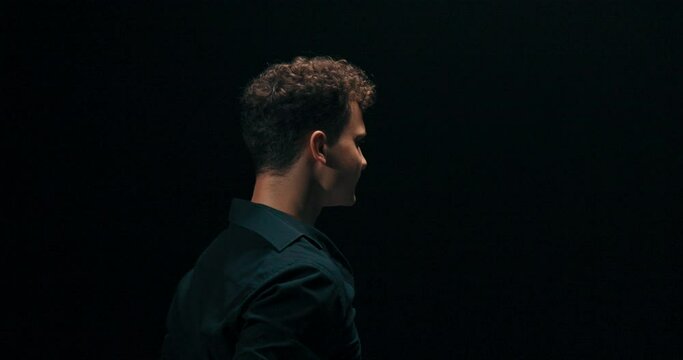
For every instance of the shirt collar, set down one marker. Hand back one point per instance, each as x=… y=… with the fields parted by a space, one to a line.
x=279 y=228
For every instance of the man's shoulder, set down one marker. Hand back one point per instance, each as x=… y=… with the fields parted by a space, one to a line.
x=238 y=250
x=302 y=252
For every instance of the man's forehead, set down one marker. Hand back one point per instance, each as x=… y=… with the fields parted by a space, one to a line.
x=356 y=121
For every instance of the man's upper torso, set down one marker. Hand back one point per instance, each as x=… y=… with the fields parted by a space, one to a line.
x=269 y=286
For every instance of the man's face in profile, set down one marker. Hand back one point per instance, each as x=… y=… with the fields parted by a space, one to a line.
x=346 y=160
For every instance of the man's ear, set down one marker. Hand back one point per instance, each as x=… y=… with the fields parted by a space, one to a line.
x=317 y=145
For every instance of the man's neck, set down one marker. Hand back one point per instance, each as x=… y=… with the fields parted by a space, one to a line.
x=290 y=193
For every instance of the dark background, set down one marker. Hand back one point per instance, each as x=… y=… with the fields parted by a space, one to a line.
x=520 y=201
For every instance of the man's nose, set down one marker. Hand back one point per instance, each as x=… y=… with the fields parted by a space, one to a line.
x=364 y=163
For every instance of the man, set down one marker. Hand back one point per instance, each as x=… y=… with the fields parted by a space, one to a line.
x=272 y=286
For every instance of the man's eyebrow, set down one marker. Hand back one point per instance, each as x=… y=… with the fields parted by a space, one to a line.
x=361 y=136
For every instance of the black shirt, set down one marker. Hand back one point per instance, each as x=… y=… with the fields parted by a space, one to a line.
x=268 y=287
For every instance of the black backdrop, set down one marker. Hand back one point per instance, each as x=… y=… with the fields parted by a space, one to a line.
x=520 y=199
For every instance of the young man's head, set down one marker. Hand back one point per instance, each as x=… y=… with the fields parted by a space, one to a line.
x=309 y=112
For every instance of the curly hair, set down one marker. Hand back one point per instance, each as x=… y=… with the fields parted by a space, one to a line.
x=289 y=100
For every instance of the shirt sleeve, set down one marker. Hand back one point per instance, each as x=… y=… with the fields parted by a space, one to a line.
x=302 y=313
